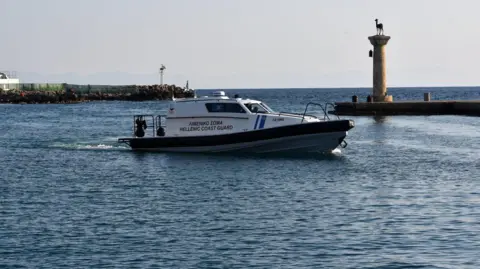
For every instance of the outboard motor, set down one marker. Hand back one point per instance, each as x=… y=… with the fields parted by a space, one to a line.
x=140 y=125
x=160 y=131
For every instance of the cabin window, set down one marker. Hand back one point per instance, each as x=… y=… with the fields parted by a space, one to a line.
x=225 y=107
x=258 y=108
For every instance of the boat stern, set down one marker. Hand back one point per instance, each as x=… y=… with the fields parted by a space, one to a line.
x=125 y=141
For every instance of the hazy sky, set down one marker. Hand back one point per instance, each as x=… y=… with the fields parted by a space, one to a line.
x=240 y=43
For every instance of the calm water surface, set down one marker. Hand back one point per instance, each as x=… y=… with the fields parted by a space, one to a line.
x=405 y=193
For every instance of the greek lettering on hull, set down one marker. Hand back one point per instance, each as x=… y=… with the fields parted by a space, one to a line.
x=205 y=126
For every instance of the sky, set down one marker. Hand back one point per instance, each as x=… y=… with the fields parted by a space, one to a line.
x=240 y=43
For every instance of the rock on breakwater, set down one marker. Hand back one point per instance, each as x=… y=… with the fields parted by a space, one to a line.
x=71 y=95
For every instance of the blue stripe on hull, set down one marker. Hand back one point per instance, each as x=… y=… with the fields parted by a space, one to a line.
x=262 y=122
x=256 y=122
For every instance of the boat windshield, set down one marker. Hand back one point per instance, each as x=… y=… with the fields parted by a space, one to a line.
x=258 y=108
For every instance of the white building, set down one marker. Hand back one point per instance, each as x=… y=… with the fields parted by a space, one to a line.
x=8 y=81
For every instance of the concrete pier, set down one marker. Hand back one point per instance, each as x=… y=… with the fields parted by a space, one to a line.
x=411 y=108
x=379 y=43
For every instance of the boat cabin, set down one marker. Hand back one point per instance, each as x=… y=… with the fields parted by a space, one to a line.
x=220 y=114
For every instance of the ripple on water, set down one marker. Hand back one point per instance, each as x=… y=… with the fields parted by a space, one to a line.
x=403 y=194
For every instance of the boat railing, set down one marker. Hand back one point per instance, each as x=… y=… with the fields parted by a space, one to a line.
x=160 y=121
x=284 y=113
x=143 y=122
x=324 y=110
x=332 y=106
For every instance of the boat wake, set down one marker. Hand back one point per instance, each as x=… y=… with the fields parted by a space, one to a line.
x=336 y=151
x=92 y=146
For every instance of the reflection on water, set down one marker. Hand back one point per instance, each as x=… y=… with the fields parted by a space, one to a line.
x=335 y=155
x=381 y=119
x=378 y=129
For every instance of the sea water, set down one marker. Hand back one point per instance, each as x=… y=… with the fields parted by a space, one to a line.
x=405 y=193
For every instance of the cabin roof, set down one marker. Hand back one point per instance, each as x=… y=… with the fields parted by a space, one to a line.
x=210 y=99
x=218 y=96
x=202 y=98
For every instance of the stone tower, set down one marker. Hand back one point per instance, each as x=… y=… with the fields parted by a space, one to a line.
x=379 y=43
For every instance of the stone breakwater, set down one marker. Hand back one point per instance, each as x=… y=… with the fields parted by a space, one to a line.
x=70 y=95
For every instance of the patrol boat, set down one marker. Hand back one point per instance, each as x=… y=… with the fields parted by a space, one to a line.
x=218 y=123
